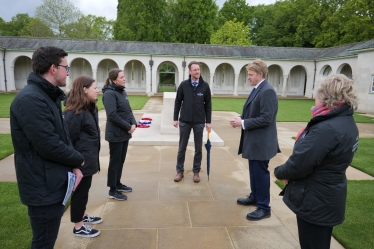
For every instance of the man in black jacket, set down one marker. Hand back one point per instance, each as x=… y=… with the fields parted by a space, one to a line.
x=193 y=101
x=43 y=153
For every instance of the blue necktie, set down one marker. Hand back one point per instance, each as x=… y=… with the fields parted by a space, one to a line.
x=253 y=90
x=194 y=84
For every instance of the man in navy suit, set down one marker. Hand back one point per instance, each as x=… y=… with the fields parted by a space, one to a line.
x=258 y=141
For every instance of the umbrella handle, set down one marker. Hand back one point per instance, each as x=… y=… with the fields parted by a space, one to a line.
x=208 y=134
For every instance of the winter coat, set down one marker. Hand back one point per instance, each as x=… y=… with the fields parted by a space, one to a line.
x=119 y=114
x=85 y=135
x=43 y=152
x=195 y=106
x=317 y=186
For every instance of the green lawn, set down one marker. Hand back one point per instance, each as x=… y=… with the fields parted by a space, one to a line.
x=363 y=159
x=6 y=146
x=15 y=230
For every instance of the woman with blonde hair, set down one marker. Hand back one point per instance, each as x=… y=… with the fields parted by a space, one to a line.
x=82 y=119
x=316 y=184
x=120 y=125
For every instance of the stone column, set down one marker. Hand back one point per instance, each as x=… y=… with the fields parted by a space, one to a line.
x=211 y=83
x=285 y=77
x=236 y=84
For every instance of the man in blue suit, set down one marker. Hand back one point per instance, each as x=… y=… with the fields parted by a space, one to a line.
x=258 y=141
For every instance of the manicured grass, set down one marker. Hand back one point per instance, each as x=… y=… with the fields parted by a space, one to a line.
x=136 y=102
x=363 y=159
x=15 y=230
x=289 y=110
x=6 y=146
x=355 y=232
x=5 y=101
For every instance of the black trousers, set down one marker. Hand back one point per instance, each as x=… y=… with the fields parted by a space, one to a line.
x=313 y=236
x=79 y=199
x=259 y=177
x=184 y=135
x=45 y=223
x=117 y=153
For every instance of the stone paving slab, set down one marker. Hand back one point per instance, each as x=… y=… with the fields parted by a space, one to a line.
x=160 y=213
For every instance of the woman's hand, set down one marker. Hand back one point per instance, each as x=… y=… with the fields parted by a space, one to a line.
x=133 y=127
x=285 y=181
x=78 y=177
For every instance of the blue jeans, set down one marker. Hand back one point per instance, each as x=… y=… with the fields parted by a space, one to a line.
x=45 y=223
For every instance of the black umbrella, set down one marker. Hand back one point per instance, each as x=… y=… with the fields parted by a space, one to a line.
x=208 y=145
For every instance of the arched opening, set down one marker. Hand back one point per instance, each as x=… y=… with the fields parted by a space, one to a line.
x=346 y=70
x=275 y=78
x=326 y=71
x=297 y=81
x=79 y=67
x=135 y=74
x=167 y=77
x=224 y=79
x=243 y=84
x=102 y=71
x=22 y=69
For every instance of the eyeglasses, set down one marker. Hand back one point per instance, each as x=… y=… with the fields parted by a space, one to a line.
x=66 y=67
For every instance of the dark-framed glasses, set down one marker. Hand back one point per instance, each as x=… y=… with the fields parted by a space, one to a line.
x=66 y=67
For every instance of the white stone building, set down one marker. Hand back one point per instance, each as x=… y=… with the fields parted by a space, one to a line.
x=292 y=71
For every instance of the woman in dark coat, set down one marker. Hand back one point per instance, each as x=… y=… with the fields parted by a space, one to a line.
x=82 y=119
x=120 y=125
x=316 y=184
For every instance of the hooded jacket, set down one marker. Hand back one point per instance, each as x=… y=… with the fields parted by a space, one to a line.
x=85 y=135
x=43 y=153
x=195 y=106
x=317 y=187
x=118 y=113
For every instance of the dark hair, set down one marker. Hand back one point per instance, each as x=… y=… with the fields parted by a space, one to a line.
x=44 y=57
x=192 y=63
x=113 y=74
x=77 y=99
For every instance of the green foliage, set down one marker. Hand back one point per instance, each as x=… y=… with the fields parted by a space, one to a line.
x=232 y=33
x=58 y=13
x=15 y=230
x=140 y=20
x=36 y=28
x=6 y=145
x=14 y=26
x=356 y=230
x=89 y=27
x=363 y=159
x=194 y=21
x=238 y=9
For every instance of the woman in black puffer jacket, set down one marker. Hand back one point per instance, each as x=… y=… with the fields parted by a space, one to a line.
x=316 y=187
x=120 y=125
x=82 y=119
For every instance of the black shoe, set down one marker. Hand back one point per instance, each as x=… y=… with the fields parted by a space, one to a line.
x=89 y=219
x=258 y=214
x=246 y=201
x=124 y=188
x=86 y=232
x=117 y=196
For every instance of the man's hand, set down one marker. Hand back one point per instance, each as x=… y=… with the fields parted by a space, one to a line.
x=133 y=127
x=285 y=181
x=208 y=127
x=78 y=177
x=236 y=122
x=175 y=124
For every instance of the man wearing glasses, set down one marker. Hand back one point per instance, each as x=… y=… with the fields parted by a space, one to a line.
x=193 y=101
x=43 y=153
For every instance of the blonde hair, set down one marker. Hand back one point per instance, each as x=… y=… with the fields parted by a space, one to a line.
x=335 y=89
x=259 y=66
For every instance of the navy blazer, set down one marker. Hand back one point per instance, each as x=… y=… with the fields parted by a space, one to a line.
x=259 y=139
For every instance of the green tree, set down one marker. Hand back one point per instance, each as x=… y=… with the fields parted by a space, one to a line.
x=238 y=9
x=15 y=25
x=36 y=28
x=58 y=13
x=194 y=21
x=232 y=33
x=140 y=20
x=89 y=27
x=352 y=21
